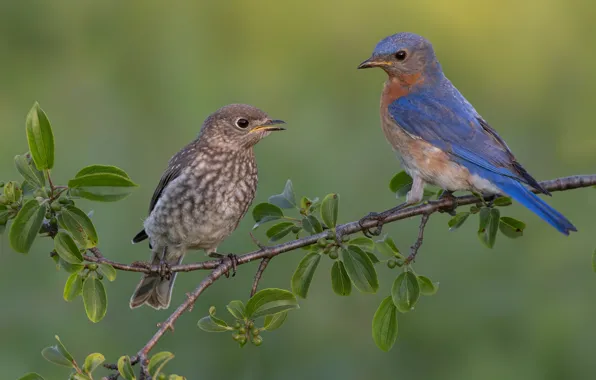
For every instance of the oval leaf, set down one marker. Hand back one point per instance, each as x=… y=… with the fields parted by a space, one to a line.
x=340 y=281
x=512 y=228
x=304 y=274
x=40 y=138
x=275 y=321
x=102 y=187
x=92 y=361
x=73 y=287
x=125 y=368
x=27 y=169
x=329 y=209
x=287 y=199
x=405 y=291
x=53 y=355
x=270 y=301
x=502 y=201
x=95 y=299
x=236 y=308
x=108 y=271
x=384 y=325
x=26 y=225
x=70 y=268
x=360 y=269
x=207 y=324
x=75 y=221
x=31 y=376
x=400 y=184
x=458 y=220
x=157 y=362
x=95 y=169
x=265 y=212
x=363 y=242
x=488 y=226
x=387 y=247
x=279 y=230
x=67 y=249
x=427 y=287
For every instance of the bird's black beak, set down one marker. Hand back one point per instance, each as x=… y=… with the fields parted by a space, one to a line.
x=270 y=125
x=372 y=62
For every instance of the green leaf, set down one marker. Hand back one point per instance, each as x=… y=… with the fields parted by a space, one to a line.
x=75 y=221
x=125 y=368
x=26 y=225
x=387 y=247
x=287 y=199
x=176 y=377
x=92 y=361
x=79 y=376
x=70 y=268
x=157 y=362
x=488 y=226
x=405 y=291
x=274 y=321
x=58 y=354
x=215 y=319
x=340 y=281
x=208 y=324
x=311 y=224
x=102 y=187
x=237 y=309
x=270 y=301
x=360 y=269
x=5 y=214
x=265 y=212
x=95 y=299
x=384 y=325
x=108 y=271
x=304 y=274
x=12 y=192
x=427 y=287
x=31 y=376
x=329 y=209
x=373 y=257
x=458 y=220
x=40 y=138
x=502 y=201
x=98 y=169
x=73 y=287
x=67 y=249
x=512 y=228
x=400 y=184
x=278 y=231
x=363 y=242
x=30 y=173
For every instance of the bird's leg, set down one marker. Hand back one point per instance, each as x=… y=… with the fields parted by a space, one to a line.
x=414 y=196
x=164 y=267
x=447 y=194
x=233 y=258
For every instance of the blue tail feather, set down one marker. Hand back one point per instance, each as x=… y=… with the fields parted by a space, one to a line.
x=523 y=195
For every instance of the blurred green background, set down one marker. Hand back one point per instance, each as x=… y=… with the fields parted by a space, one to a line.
x=129 y=83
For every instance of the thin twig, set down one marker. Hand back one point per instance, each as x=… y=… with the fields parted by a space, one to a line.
x=414 y=248
x=259 y=274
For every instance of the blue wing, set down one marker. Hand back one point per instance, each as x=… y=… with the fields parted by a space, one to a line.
x=445 y=119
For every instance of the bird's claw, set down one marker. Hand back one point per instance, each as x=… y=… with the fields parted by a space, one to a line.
x=232 y=257
x=450 y=209
x=368 y=232
x=165 y=271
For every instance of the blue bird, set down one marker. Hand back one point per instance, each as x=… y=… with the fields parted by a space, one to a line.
x=439 y=136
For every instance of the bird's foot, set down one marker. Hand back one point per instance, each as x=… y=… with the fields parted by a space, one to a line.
x=222 y=259
x=367 y=231
x=449 y=195
x=165 y=271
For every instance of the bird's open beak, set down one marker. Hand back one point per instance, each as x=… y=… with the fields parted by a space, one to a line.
x=372 y=62
x=269 y=125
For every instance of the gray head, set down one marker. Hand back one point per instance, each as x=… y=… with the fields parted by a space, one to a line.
x=404 y=54
x=237 y=126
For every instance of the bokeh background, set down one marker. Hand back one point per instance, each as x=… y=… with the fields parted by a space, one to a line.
x=129 y=83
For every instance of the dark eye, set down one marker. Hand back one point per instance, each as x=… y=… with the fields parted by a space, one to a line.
x=400 y=55
x=242 y=123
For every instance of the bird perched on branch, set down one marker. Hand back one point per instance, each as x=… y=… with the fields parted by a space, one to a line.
x=440 y=138
x=202 y=196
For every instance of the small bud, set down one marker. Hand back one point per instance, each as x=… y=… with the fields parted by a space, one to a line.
x=251 y=324
x=391 y=263
x=48 y=215
x=237 y=325
x=322 y=242
x=63 y=201
x=236 y=337
x=257 y=340
x=161 y=376
x=296 y=229
x=92 y=266
x=100 y=276
x=242 y=340
x=56 y=207
x=333 y=254
x=1 y=184
x=255 y=332
x=242 y=330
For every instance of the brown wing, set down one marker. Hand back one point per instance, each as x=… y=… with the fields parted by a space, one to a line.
x=177 y=164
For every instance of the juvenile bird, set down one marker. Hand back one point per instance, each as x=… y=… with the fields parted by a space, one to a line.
x=202 y=195
x=439 y=136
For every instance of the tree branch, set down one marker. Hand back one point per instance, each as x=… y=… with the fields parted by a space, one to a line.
x=221 y=266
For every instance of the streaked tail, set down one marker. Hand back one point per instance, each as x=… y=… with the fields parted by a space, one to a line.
x=523 y=195
x=154 y=290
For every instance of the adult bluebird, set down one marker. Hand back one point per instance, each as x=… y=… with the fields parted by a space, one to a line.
x=202 y=195
x=440 y=138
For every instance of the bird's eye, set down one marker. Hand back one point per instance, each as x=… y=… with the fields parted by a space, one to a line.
x=242 y=123
x=400 y=55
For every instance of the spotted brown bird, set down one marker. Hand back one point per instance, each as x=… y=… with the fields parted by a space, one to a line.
x=202 y=196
